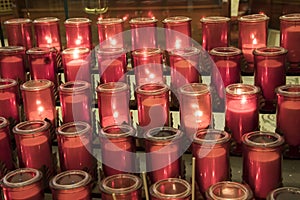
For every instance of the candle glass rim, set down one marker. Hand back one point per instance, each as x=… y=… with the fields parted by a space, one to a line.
x=111 y=50
x=246 y=139
x=225 y=137
x=79 y=50
x=150 y=137
x=183 y=89
x=17 y=129
x=155 y=193
x=290 y=17
x=84 y=182
x=225 y=51
x=75 y=21
x=184 y=52
x=77 y=86
x=253 y=18
x=163 y=88
x=130 y=131
x=254 y=89
x=112 y=87
x=110 y=21
x=37 y=177
x=273 y=193
x=214 y=19
x=8 y=50
x=147 y=52
x=33 y=85
x=143 y=20
x=176 y=20
x=16 y=21
x=3 y=122
x=86 y=128
x=40 y=50
x=43 y=20
x=9 y=83
x=270 y=51
x=281 y=90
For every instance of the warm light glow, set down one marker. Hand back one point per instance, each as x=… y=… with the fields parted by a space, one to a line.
x=198 y=113
x=38 y=102
x=78 y=41
x=151 y=76
x=48 y=39
x=240 y=91
x=125 y=17
x=254 y=40
x=76 y=54
x=116 y=114
x=151 y=15
x=177 y=44
x=112 y=41
x=40 y=109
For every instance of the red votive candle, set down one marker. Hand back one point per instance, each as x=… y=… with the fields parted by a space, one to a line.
x=23 y=183
x=19 y=32
x=153 y=105
x=34 y=146
x=288 y=110
x=253 y=33
x=163 y=153
x=110 y=32
x=112 y=64
x=241 y=112
x=262 y=162
x=38 y=100
x=72 y=184
x=78 y=32
x=9 y=100
x=42 y=63
x=282 y=193
x=122 y=186
x=143 y=32
x=215 y=32
x=195 y=107
x=178 y=32
x=269 y=67
x=289 y=33
x=211 y=150
x=113 y=103
x=118 y=149
x=148 y=65
x=6 y=158
x=75 y=147
x=75 y=101
x=229 y=190
x=171 y=188
x=47 y=33
x=12 y=63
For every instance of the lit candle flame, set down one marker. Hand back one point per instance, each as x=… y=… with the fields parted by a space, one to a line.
x=76 y=54
x=240 y=91
x=48 y=39
x=116 y=114
x=177 y=44
x=112 y=41
x=78 y=41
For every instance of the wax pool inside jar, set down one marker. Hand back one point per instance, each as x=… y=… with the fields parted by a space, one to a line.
x=229 y=71
x=184 y=72
x=109 y=67
x=292 y=35
x=12 y=67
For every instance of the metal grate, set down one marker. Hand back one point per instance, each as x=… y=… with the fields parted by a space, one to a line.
x=5 y=6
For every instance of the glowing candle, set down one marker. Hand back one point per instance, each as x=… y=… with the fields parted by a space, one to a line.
x=110 y=32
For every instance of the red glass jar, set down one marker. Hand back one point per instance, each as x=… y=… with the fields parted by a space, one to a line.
x=72 y=184
x=215 y=32
x=23 y=183
x=76 y=63
x=241 y=113
x=6 y=156
x=117 y=142
x=113 y=103
x=163 y=153
x=148 y=65
x=269 y=67
x=262 y=162
x=143 y=32
x=47 y=32
x=171 y=188
x=284 y=193
x=9 y=100
x=288 y=110
x=123 y=186
x=75 y=101
x=211 y=150
x=229 y=190
x=112 y=64
x=42 y=63
x=78 y=33
x=19 y=32
x=178 y=32
x=110 y=32
x=12 y=63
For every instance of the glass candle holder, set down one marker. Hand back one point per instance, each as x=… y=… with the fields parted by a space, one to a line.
x=9 y=100
x=113 y=103
x=241 y=112
x=117 y=142
x=163 y=153
x=253 y=34
x=110 y=32
x=19 y=32
x=38 y=100
x=112 y=64
x=12 y=63
x=23 y=183
x=289 y=33
x=284 y=193
x=42 y=63
x=6 y=156
x=269 y=67
x=262 y=162
x=215 y=32
x=195 y=107
x=143 y=32
x=148 y=65
x=288 y=110
x=76 y=63
x=229 y=190
x=152 y=105
x=75 y=101
x=78 y=33
x=47 y=32
x=211 y=150
x=72 y=184
x=123 y=186
x=33 y=143
x=178 y=32
x=171 y=188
